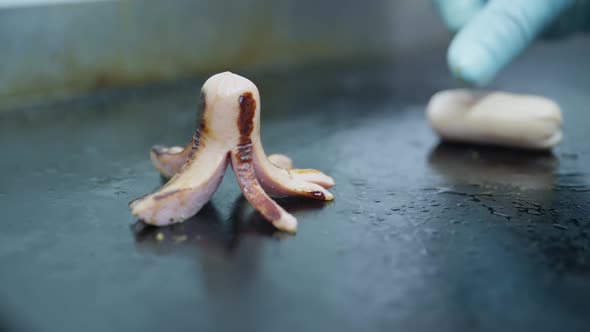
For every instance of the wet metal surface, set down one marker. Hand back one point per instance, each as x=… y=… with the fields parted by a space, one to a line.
x=421 y=236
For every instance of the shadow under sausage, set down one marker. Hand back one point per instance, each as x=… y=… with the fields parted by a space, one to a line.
x=474 y=164
x=546 y=208
x=208 y=230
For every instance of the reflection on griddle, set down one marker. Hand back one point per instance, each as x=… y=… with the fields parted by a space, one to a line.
x=541 y=205
x=208 y=230
x=461 y=163
x=214 y=242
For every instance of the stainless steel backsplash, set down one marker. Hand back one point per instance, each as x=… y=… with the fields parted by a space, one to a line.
x=60 y=50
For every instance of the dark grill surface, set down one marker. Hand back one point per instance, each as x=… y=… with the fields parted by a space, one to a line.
x=421 y=236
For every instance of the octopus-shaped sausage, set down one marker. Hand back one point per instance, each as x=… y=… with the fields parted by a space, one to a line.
x=229 y=133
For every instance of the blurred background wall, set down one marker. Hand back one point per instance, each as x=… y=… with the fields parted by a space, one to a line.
x=52 y=49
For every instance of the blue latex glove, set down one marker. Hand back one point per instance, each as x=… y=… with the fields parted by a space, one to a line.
x=492 y=33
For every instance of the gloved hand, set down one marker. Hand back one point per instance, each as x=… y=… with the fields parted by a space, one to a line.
x=492 y=33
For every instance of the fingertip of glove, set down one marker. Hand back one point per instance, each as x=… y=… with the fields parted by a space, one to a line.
x=471 y=64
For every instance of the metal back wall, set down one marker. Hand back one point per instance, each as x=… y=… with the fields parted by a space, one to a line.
x=51 y=51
